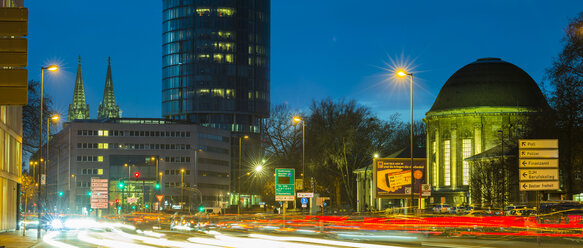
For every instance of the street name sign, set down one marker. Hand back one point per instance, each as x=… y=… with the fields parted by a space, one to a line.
x=305 y=195
x=539 y=163
x=538 y=143
x=284 y=184
x=541 y=185
x=538 y=174
x=538 y=153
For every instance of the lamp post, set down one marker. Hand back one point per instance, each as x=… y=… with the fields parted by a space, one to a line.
x=239 y=177
x=55 y=119
x=181 y=186
x=402 y=74
x=74 y=196
x=40 y=140
x=297 y=119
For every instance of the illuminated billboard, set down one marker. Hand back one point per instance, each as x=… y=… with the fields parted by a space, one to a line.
x=392 y=176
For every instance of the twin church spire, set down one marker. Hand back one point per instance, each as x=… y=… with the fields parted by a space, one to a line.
x=79 y=109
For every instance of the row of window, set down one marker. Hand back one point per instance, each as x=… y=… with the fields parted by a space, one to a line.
x=213 y=174
x=93 y=171
x=177 y=159
x=89 y=158
x=214 y=149
x=213 y=137
x=176 y=172
x=213 y=161
x=106 y=146
x=175 y=184
x=133 y=133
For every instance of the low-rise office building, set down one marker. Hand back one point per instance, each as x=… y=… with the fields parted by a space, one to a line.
x=141 y=158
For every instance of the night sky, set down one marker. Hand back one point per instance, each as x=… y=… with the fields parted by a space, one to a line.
x=332 y=48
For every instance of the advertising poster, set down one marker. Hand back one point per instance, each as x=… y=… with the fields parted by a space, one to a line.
x=393 y=175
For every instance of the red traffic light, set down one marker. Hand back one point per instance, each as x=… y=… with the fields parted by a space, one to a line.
x=116 y=200
x=137 y=174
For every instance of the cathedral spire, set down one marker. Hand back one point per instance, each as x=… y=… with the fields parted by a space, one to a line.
x=108 y=108
x=79 y=109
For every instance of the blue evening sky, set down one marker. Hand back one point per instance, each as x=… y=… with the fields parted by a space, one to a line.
x=319 y=48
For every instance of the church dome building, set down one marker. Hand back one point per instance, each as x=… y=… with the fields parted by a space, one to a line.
x=475 y=111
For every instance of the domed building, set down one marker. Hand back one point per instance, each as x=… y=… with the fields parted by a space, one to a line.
x=478 y=108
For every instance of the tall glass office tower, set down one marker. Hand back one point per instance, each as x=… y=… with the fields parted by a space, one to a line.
x=215 y=63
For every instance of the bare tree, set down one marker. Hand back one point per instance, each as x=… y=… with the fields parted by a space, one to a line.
x=31 y=118
x=566 y=76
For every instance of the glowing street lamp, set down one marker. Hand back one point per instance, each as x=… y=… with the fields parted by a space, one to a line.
x=40 y=141
x=298 y=119
x=402 y=73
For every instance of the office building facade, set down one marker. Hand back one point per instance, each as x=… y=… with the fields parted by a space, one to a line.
x=192 y=163
x=215 y=63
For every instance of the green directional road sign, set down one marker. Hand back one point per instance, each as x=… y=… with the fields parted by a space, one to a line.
x=284 y=184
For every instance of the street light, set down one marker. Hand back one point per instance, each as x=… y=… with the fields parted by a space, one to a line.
x=40 y=140
x=181 y=186
x=55 y=119
x=239 y=177
x=298 y=119
x=258 y=168
x=402 y=74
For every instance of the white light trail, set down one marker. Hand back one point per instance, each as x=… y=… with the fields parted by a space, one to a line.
x=49 y=239
x=84 y=236
x=321 y=241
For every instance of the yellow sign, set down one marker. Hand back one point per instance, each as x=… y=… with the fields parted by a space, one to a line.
x=393 y=175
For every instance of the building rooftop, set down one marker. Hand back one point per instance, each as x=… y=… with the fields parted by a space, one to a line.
x=489 y=82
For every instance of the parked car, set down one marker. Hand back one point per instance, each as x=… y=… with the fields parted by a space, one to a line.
x=442 y=208
x=509 y=209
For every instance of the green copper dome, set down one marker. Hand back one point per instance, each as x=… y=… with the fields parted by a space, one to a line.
x=489 y=82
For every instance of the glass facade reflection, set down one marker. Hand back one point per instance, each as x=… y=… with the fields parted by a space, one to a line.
x=215 y=63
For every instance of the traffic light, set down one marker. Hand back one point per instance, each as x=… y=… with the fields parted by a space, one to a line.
x=147 y=206
x=201 y=209
x=116 y=200
x=60 y=193
x=137 y=174
x=121 y=185
x=89 y=193
x=133 y=206
x=157 y=186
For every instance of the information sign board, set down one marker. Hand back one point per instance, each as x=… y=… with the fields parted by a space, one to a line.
x=99 y=193
x=284 y=183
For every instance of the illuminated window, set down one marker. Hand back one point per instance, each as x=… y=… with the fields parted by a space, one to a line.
x=217 y=57
x=105 y=146
x=466 y=152
x=224 y=34
x=230 y=93
x=100 y=132
x=203 y=92
x=100 y=145
x=219 y=92
x=446 y=163
x=99 y=171
x=229 y=58
x=435 y=177
x=203 y=12
x=100 y=159
x=105 y=133
x=225 y=12
x=224 y=46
